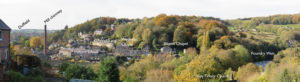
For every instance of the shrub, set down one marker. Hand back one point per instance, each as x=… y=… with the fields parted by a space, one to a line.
x=108 y=71
x=159 y=75
x=16 y=76
x=247 y=71
x=80 y=72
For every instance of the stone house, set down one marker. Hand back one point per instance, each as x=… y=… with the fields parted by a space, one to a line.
x=85 y=37
x=107 y=43
x=53 y=45
x=166 y=49
x=82 y=53
x=98 y=32
x=127 y=51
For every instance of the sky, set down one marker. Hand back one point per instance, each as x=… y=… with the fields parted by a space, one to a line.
x=15 y=12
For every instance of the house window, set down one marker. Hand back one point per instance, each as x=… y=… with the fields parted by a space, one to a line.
x=0 y=56
x=1 y=38
x=6 y=54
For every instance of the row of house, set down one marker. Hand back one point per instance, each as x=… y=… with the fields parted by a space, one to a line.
x=127 y=51
x=85 y=36
x=166 y=49
x=88 y=54
x=106 y=43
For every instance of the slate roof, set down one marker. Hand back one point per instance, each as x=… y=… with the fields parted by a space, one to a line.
x=3 y=26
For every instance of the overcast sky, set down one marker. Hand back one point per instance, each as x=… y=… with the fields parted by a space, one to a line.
x=14 y=12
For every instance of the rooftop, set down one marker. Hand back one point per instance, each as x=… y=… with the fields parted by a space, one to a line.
x=3 y=26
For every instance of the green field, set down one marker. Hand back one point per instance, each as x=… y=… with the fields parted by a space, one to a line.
x=297 y=26
x=265 y=36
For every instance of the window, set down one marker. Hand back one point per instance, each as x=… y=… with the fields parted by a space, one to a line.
x=6 y=54
x=0 y=56
x=1 y=38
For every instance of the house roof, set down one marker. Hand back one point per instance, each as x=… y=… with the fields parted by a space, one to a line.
x=3 y=26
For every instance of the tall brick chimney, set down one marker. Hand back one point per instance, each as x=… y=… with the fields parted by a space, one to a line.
x=45 y=40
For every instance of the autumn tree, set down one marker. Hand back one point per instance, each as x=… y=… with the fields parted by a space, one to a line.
x=146 y=36
x=21 y=50
x=35 y=42
x=167 y=20
x=296 y=19
x=209 y=31
x=285 y=66
x=159 y=75
x=206 y=40
x=159 y=16
x=247 y=71
x=225 y=42
x=203 y=41
x=199 y=66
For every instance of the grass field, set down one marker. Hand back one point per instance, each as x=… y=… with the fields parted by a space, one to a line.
x=232 y=29
x=265 y=36
x=297 y=26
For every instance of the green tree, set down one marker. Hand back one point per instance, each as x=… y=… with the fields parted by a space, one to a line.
x=164 y=37
x=27 y=43
x=146 y=36
x=242 y=55
x=40 y=48
x=62 y=67
x=22 y=39
x=16 y=76
x=66 y=27
x=108 y=71
x=121 y=31
x=206 y=40
x=12 y=51
x=180 y=34
x=80 y=72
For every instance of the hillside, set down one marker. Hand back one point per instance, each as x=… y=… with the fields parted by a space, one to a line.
x=197 y=46
x=17 y=33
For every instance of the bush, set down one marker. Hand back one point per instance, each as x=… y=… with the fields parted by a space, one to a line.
x=108 y=71
x=285 y=67
x=36 y=72
x=16 y=76
x=159 y=75
x=35 y=79
x=247 y=71
x=62 y=67
x=79 y=72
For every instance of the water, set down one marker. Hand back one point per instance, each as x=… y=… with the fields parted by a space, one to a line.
x=262 y=63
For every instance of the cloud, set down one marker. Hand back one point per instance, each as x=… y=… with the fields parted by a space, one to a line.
x=14 y=12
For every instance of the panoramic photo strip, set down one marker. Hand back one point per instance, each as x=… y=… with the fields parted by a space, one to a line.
x=150 y=41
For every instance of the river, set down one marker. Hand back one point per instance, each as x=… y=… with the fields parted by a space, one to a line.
x=263 y=63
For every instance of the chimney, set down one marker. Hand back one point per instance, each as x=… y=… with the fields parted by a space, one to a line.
x=45 y=40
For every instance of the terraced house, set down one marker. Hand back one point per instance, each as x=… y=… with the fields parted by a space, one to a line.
x=4 y=49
